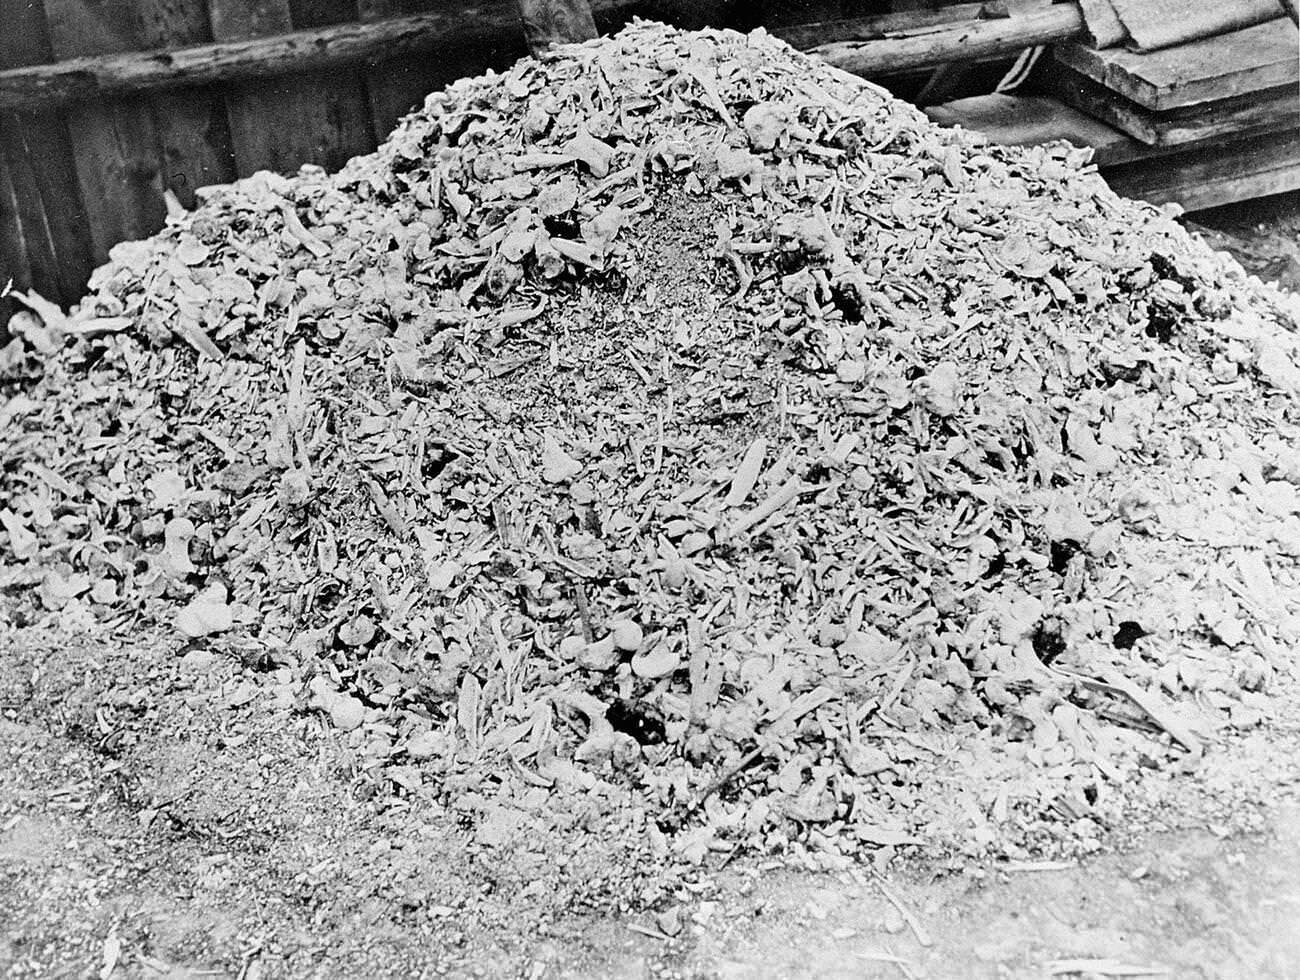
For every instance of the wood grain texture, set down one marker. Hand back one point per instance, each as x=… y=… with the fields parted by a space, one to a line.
x=281 y=123
x=1259 y=112
x=1200 y=175
x=396 y=85
x=191 y=122
x=118 y=150
x=481 y=35
x=1255 y=58
x=1211 y=176
x=776 y=14
x=1103 y=26
x=809 y=33
x=1155 y=24
x=37 y=155
x=15 y=267
x=965 y=42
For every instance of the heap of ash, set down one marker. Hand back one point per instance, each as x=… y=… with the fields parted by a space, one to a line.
x=682 y=421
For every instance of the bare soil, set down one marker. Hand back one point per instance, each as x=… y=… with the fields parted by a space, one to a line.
x=1263 y=235
x=162 y=816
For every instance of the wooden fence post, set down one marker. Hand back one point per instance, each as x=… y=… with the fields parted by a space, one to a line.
x=550 y=22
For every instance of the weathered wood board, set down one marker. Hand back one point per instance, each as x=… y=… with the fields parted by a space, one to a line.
x=1031 y=120
x=1215 y=175
x=44 y=217
x=392 y=87
x=396 y=86
x=118 y=156
x=37 y=155
x=1200 y=175
x=15 y=265
x=282 y=123
x=1260 y=57
x=128 y=150
x=1036 y=25
x=1266 y=111
x=1154 y=24
x=1101 y=24
x=191 y=121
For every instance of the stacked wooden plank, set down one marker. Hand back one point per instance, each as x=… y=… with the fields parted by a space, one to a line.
x=1221 y=113
x=1238 y=83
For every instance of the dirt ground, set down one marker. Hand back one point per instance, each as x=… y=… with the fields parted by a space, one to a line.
x=160 y=815
x=1263 y=235
x=167 y=812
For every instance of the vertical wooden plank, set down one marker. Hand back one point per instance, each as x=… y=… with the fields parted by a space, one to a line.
x=191 y=121
x=282 y=123
x=43 y=169
x=20 y=163
x=396 y=86
x=13 y=248
x=115 y=143
x=37 y=156
x=134 y=147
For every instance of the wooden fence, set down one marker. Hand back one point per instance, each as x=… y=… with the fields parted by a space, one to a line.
x=107 y=104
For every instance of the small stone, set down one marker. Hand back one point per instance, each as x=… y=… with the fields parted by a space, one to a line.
x=866 y=760
x=1231 y=630
x=850 y=371
x=1224 y=370
x=764 y=125
x=104 y=591
x=940 y=390
x=295 y=488
x=1252 y=673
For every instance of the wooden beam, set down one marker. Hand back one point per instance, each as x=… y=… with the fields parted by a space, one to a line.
x=320 y=117
x=551 y=22
x=86 y=78
x=810 y=35
x=967 y=42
